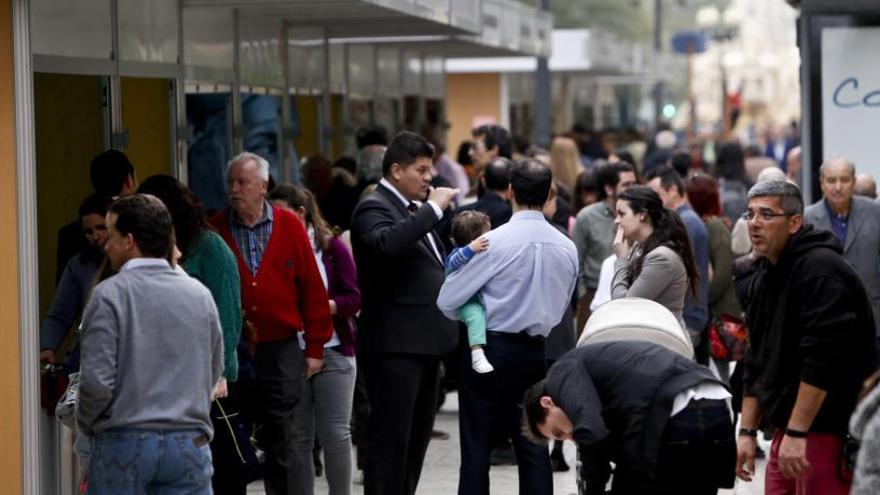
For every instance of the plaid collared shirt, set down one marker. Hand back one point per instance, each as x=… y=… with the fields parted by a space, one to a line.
x=252 y=241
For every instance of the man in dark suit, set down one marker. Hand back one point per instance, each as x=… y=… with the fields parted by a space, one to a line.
x=494 y=183
x=399 y=259
x=854 y=220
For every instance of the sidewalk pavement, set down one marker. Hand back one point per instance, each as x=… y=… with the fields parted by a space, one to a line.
x=440 y=474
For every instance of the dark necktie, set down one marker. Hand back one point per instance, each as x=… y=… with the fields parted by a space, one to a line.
x=412 y=207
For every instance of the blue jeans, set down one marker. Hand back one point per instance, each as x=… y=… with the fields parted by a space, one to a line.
x=135 y=461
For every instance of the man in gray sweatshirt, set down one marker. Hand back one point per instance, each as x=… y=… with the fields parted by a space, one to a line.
x=152 y=352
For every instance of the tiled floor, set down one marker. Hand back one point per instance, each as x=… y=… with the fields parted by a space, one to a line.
x=440 y=474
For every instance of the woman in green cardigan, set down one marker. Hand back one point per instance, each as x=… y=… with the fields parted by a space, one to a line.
x=206 y=257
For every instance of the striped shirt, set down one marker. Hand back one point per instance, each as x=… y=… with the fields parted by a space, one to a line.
x=252 y=241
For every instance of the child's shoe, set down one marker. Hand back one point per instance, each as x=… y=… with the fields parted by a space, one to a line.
x=479 y=362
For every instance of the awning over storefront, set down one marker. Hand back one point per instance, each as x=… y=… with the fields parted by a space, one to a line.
x=507 y=28
x=361 y=17
x=156 y=36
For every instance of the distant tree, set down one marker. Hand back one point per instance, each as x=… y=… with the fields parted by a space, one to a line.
x=632 y=20
x=628 y=19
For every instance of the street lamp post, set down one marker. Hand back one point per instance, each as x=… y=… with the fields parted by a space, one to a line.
x=659 y=89
x=720 y=29
x=541 y=129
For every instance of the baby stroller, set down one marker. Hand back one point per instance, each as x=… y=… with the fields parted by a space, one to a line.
x=633 y=319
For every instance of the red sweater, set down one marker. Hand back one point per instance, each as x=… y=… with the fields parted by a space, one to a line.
x=276 y=307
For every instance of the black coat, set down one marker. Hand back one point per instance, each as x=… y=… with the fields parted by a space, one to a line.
x=618 y=396
x=497 y=208
x=71 y=241
x=809 y=320
x=399 y=277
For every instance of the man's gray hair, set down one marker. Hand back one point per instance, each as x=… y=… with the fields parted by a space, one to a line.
x=837 y=159
x=790 y=194
x=369 y=163
x=262 y=164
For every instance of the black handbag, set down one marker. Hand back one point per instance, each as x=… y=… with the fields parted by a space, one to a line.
x=234 y=438
x=849 y=451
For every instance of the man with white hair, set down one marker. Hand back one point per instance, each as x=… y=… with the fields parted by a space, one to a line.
x=285 y=304
x=854 y=220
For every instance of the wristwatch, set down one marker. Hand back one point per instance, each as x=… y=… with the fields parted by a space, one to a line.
x=748 y=432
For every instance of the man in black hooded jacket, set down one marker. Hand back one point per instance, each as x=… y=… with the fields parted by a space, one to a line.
x=660 y=417
x=812 y=344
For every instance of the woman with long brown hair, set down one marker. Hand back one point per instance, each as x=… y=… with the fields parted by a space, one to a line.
x=654 y=257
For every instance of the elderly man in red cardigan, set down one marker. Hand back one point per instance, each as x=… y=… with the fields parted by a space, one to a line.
x=283 y=298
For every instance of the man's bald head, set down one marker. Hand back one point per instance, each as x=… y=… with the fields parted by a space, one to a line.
x=496 y=177
x=865 y=186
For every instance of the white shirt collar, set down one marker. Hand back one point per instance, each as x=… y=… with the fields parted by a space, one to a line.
x=142 y=262
x=402 y=199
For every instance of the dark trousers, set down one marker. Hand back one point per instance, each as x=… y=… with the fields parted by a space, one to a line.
x=583 y=312
x=402 y=392
x=490 y=408
x=697 y=455
x=277 y=389
x=360 y=413
x=227 y=478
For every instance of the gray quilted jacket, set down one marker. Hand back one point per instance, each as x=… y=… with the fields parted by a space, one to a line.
x=865 y=426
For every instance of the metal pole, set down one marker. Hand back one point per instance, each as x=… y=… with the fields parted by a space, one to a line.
x=118 y=138
x=182 y=169
x=326 y=99
x=28 y=266
x=658 y=48
x=286 y=135
x=541 y=131
x=237 y=128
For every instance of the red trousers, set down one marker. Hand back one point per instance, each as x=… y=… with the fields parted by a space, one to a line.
x=823 y=454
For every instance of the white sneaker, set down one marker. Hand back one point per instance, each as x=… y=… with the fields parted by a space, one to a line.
x=479 y=362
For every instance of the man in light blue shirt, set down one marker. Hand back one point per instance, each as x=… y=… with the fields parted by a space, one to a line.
x=526 y=279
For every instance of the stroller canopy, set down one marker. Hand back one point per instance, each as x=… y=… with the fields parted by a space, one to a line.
x=637 y=319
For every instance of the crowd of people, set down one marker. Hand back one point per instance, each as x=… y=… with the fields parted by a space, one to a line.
x=210 y=349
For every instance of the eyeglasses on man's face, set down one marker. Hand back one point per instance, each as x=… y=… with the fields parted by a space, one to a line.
x=763 y=214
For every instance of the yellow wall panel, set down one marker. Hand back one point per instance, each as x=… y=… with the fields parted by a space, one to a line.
x=69 y=132
x=308 y=110
x=10 y=354
x=470 y=96
x=146 y=115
